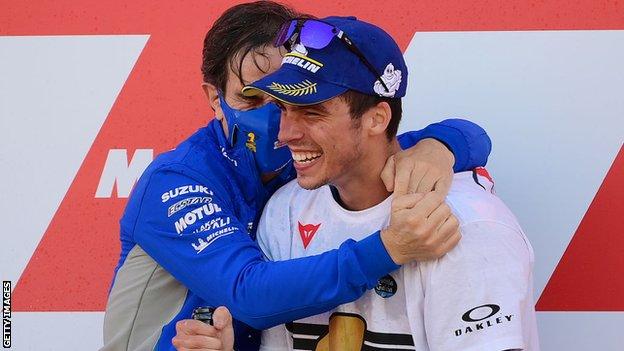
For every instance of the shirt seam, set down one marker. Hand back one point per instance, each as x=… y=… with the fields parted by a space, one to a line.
x=514 y=229
x=139 y=302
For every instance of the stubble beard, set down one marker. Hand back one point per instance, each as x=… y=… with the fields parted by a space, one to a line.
x=345 y=163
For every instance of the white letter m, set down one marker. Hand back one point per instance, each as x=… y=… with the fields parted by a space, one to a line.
x=118 y=170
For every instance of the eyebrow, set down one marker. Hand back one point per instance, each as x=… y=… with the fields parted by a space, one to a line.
x=318 y=107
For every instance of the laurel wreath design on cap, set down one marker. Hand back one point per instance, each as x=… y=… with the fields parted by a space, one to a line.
x=304 y=88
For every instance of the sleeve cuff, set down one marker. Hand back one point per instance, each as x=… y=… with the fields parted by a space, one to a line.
x=454 y=139
x=373 y=258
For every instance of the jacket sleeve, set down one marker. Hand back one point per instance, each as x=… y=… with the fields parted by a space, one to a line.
x=197 y=238
x=467 y=141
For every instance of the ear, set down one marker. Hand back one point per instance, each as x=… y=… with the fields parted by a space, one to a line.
x=376 y=119
x=212 y=94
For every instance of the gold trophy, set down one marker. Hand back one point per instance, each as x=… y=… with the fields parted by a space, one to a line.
x=346 y=333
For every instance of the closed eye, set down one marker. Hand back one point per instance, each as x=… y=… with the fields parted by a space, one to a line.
x=248 y=102
x=311 y=113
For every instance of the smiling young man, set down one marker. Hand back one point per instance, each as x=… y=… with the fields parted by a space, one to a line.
x=340 y=123
x=187 y=234
x=341 y=131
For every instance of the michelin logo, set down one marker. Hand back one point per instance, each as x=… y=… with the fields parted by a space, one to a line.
x=299 y=57
x=202 y=244
x=182 y=204
x=391 y=78
x=300 y=49
x=197 y=214
x=183 y=190
x=302 y=62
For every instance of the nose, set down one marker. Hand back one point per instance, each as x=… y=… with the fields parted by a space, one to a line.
x=290 y=129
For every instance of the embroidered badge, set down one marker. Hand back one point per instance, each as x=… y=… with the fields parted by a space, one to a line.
x=251 y=141
x=386 y=286
x=391 y=78
x=299 y=57
x=304 y=88
x=300 y=49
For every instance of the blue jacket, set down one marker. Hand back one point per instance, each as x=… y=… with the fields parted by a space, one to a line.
x=194 y=212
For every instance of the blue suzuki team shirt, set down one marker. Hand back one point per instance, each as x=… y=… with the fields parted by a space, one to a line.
x=187 y=240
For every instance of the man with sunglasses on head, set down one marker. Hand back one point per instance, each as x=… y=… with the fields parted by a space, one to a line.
x=187 y=234
x=476 y=297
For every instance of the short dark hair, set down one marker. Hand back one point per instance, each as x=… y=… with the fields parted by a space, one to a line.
x=240 y=30
x=360 y=103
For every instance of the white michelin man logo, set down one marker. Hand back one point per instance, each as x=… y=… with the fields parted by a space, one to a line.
x=392 y=78
x=300 y=49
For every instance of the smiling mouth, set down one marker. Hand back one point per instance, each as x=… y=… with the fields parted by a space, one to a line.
x=304 y=157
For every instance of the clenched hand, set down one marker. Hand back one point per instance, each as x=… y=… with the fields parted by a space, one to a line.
x=195 y=335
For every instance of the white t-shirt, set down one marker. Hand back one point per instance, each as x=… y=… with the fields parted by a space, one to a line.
x=479 y=296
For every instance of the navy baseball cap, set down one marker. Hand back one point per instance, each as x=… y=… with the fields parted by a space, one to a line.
x=354 y=55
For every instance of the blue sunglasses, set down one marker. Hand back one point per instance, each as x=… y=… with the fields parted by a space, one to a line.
x=317 y=34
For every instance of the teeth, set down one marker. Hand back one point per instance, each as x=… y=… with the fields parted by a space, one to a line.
x=305 y=156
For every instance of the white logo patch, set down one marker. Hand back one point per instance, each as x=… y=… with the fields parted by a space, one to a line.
x=183 y=190
x=299 y=57
x=182 y=204
x=228 y=157
x=201 y=244
x=391 y=78
x=300 y=49
x=213 y=224
x=197 y=214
